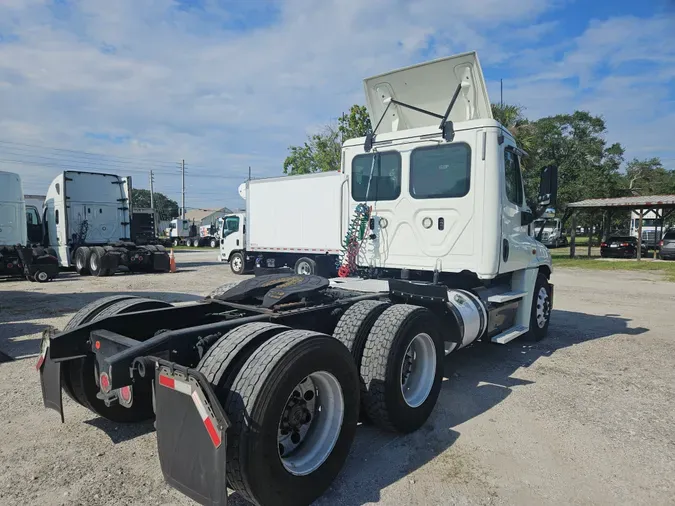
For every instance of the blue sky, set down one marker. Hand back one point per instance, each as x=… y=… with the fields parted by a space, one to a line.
x=228 y=84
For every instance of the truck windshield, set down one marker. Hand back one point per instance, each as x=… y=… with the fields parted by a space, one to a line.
x=230 y=225
x=386 y=181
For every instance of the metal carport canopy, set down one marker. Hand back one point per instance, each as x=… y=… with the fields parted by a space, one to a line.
x=645 y=202
x=639 y=203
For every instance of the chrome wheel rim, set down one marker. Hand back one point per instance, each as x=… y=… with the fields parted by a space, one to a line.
x=42 y=276
x=543 y=307
x=418 y=370
x=304 y=268
x=236 y=263
x=93 y=262
x=310 y=423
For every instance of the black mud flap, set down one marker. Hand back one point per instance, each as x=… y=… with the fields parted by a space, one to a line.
x=191 y=434
x=50 y=377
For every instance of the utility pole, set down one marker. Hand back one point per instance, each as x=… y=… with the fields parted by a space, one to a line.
x=152 y=191
x=249 y=172
x=182 y=173
x=501 y=92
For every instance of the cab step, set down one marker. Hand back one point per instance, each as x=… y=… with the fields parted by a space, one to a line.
x=506 y=296
x=510 y=334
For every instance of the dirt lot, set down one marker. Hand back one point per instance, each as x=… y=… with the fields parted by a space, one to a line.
x=584 y=417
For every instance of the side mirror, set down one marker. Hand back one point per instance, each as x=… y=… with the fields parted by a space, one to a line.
x=526 y=217
x=548 y=186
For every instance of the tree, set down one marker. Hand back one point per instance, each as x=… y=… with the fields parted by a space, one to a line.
x=165 y=207
x=321 y=152
x=649 y=177
x=587 y=167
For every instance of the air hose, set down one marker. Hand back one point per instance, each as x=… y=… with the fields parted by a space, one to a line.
x=352 y=241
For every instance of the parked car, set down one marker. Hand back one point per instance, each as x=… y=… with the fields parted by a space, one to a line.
x=621 y=246
x=668 y=246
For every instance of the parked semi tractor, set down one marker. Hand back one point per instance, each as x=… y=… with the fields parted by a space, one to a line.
x=21 y=250
x=290 y=221
x=549 y=231
x=184 y=233
x=88 y=223
x=259 y=387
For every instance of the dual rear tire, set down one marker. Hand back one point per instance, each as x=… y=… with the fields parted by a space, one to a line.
x=78 y=377
x=292 y=397
x=398 y=350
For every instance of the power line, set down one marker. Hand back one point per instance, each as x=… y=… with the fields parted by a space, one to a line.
x=101 y=164
x=90 y=154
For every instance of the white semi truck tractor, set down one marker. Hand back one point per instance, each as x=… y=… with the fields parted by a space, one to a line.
x=259 y=387
x=21 y=251
x=88 y=223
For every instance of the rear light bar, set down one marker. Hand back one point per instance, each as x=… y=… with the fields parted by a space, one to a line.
x=625 y=244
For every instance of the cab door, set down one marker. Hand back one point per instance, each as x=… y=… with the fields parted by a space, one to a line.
x=517 y=244
x=231 y=239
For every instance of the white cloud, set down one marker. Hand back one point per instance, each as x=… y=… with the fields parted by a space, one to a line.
x=178 y=85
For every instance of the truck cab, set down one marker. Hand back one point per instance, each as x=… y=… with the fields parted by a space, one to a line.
x=232 y=238
x=552 y=233
x=446 y=194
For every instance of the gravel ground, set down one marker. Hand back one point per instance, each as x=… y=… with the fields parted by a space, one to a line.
x=584 y=417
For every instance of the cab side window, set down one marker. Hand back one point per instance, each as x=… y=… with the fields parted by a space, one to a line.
x=514 y=185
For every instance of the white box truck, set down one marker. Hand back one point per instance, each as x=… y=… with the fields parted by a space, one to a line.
x=88 y=223
x=290 y=221
x=21 y=234
x=259 y=388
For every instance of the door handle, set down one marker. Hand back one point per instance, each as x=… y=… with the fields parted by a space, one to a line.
x=237 y=242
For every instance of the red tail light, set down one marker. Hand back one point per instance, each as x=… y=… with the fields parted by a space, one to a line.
x=661 y=243
x=104 y=381
x=625 y=244
x=603 y=244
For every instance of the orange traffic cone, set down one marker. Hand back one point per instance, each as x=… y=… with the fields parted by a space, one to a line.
x=172 y=262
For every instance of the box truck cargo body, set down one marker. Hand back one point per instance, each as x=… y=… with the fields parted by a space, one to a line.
x=293 y=221
x=21 y=251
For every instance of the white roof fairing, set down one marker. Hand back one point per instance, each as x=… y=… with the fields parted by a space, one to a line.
x=429 y=86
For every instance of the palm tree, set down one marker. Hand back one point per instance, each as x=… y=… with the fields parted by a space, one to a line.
x=511 y=116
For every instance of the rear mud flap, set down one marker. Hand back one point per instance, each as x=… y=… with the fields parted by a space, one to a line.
x=50 y=377
x=191 y=434
x=160 y=261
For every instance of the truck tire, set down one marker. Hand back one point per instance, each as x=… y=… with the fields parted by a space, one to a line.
x=41 y=276
x=82 y=317
x=540 y=314
x=305 y=266
x=96 y=262
x=353 y=328
x=175 y=243
x=272 y=406
x=213 y=243
x=223 y=361
x=402 y=368
x=237 y=263
x=82 y=255
x=82 y=381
